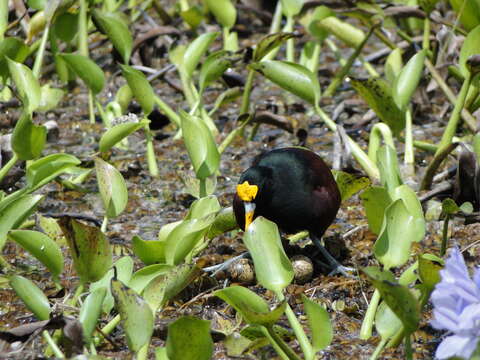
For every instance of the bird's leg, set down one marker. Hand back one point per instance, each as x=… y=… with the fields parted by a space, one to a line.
x=220 y=267
x=334 y=264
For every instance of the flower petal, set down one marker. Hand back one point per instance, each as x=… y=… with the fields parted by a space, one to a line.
x=456 y=345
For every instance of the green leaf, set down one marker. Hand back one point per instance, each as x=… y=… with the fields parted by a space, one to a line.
x=450 y=207
x=117 y=133
x=378 y=95
x=90 y=249
x=414 y=208
x=213 y=67
x=90 y=312
x=142 y=277
x=375 y=200
x=196 y=50
x=291 y=7
x=112 y=186
x=200 y=145
x=65 y=26
x=91 y=74
x=224 y=12
x=470 y=15
x=168 y=284
x=319 y=323
x=28 y=139
x=14 y=49
x=407 y=81
x=224 y=221
x=429 y=267
x=252 y=307
x=193 y=16
x=189 y=339
x=349 y=34
x=292 y=77
x=268 y=43
x=141 y=88
x=27 y=85
x=392 y=247
x=137 y=317
x=117 y=31
x=275 y=271
x=3 y=18
x=393 y=65
x=34 y=299
x=203 y=207
x=471 y=46
x=50 y=97
x=41 y=247
x=149 y=251
x=44 y=170
x=312 y=22
x=386 y=322
x=349 y=184
x=397 y=297
x=15 y=213
x=388 y=166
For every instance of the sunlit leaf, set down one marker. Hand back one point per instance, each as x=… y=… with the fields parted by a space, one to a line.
x=196 y=50
x=65 y=27
x=203 y=207
x=471 y=46
x=189 y=339
x=291 y=7
x=27 y=85
x=319 y=323
x=393 y=65
x=28 y=139
x=142 y=277
x=112 y=186
x=14 y=49
x=429 y=267
x=274 y=271
x=117 y=133
x=346 y=32
x=34 y=299
x=117 y=31
x=349 y=184
x=213 y=67
x=388 y=166
x=268 y=43
x=42 y=171
x=141 y=88
x=90 y=311
x=41 y=247
x=50 y=98
x=87 y=70
x=386 y=322
x=407 y=80
x=224 y=12
x=149 y=251
x=414 y=208
x=375 y=200
x=470 y=12
x=137 y=317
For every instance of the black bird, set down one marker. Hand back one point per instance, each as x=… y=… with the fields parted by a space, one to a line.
x=292 y=187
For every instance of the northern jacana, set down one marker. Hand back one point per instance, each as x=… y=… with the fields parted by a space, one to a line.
x=292 y=187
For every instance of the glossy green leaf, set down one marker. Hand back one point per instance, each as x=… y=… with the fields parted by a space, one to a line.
x=224 y=221
x=349 y=184
x=141 y=88
x=149 y=251
x=291 y=7
x=117 y=31
x=268 y=43
x=470 y=15
x=203 y=207
x=275 y=271
x=252 y=307
x=213 y=67
x=388 y=166
x=41 y=247
x=50 y=98
x=90 y=249
x=193 y=16
x=319 y=323
x=117 y=133
x=123 y=97
x=44 y=170
x=142 y=277
x=184 y=237
x=196 y=50
x=27 y=85
x=346 y=32
x=112 y=186
x=393 y=65
x=378 y=95
x=471 y=46
x=87 y=70
x=90 y=312
x=312 y=23
x=398 y=297
x=375 y=200
x=137 y=317
x=189 y=339
x=124 y=269
x=407 y=80
x=15 y=213
x=34 y=299
x=450 y=207
x=414 y=208
x=65 y=27
x=292 y=77
x=200 y=145
x=28 y=139
x=14 y=49
x=392 y=247
x=386 y=322
x=3 y=18
x=224 y=12
x=167 y=285
x=166 y=229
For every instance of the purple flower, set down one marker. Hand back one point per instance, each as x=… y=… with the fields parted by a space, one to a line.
x=456 y=302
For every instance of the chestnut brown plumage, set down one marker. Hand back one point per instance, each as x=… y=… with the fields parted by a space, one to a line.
x=292 y=187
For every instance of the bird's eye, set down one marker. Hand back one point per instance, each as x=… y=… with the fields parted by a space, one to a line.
x=247 y=192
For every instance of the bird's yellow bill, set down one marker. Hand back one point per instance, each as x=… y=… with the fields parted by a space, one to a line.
x=249 y=211
x=247 y=192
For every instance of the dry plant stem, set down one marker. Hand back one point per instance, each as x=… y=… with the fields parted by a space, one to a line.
x=432 y=168
x=466 y=115
x=338 y=79
x=367 y=324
